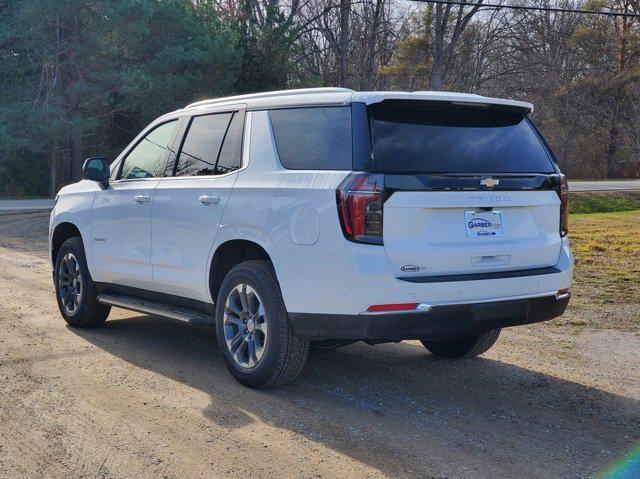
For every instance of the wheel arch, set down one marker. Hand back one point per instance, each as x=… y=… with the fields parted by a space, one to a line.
x=62 y=232
x=229 y=254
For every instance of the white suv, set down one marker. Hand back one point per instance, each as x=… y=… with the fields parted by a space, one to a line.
x=322 y=216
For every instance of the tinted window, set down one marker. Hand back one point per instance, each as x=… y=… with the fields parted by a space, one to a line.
x=231 y=154
x=148 y=157
x=313 y=138
x=456 y=140
x=203 y=152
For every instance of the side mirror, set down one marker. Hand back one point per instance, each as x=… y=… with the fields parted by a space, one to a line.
x=97 y=169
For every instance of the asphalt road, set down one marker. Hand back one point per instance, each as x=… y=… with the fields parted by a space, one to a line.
x=625 y=185
x=26 y=205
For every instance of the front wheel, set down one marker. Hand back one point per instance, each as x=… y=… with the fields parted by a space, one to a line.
x=462 y=347
x=75 y=291
x=253 y=330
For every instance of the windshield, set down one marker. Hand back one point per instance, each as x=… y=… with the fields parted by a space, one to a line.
x=445 y=139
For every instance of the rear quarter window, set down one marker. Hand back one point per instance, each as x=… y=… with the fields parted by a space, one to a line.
x=313 y=138
x=441 y=140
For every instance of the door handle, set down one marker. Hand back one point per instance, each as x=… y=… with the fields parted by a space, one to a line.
x=141 y=199
x=209 y=200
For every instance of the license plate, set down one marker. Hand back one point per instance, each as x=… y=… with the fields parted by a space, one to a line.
x=483 y=224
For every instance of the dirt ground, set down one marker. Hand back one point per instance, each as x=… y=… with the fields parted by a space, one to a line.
x=146 y=397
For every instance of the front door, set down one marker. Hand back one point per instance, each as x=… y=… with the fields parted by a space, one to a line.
x=188 y=205
x=121 y=217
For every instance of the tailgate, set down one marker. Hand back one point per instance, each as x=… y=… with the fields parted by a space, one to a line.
x=462 y=232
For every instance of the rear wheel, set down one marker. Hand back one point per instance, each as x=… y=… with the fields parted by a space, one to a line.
x=253 y=329
x=75 y=290
x=462 y=347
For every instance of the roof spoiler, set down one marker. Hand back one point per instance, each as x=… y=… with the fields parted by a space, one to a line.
x=459 y=99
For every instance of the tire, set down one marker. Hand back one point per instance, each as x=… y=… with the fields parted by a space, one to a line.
x=462 y=347
x=86 y=312
x=278 y=355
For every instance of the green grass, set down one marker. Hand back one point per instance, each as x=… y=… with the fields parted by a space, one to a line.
x=607 y=264
x=603 y=202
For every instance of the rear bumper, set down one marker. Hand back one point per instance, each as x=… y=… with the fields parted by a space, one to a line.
x=439 y=322
x=350 y=279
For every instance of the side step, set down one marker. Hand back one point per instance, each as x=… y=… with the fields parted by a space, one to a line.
x=159 y=309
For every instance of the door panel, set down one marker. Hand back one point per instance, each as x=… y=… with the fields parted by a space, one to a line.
x=121 y=214
x=121 y=230
x=188 y=206
x=186 y=216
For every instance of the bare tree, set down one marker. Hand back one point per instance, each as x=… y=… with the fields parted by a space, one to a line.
x=448 y=29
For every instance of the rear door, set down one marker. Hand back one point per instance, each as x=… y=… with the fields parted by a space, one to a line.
x=472 y=190
x=188 y=204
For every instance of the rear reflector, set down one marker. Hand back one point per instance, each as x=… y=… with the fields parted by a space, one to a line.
x=392 y=307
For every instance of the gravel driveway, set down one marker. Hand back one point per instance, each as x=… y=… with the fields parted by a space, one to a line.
x=146 y=397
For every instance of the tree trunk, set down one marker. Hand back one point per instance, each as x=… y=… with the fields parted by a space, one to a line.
x=343 y=47
x=614 y=131
x=70 y=78
x=436 y=78
x=612 y=149
x=438 y=60
x=53 y=172
x=75 y=155
x=370 y=79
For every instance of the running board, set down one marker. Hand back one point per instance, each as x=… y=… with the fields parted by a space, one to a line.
x=159 y=309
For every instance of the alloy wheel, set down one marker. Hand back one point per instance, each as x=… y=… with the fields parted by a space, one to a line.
x=245 y=326
x=70 y=283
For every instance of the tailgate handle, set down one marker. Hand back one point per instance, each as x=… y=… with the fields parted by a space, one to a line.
x=491 y=260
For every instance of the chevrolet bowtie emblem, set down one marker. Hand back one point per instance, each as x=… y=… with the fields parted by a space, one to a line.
x=489 y=182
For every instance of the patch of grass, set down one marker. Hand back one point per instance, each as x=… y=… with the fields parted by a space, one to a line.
x=603 y=201
x=607 y=262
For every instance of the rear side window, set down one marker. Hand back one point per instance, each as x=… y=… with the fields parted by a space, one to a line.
x=431 y=139
x=212 y=145
x=230 y=155
x=313 y=138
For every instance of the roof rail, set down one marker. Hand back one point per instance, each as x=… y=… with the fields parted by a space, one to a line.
x=269 y=94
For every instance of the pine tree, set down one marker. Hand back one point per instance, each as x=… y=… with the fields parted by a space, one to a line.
x=82 y=77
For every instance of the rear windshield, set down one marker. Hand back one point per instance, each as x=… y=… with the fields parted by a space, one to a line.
x=415 y=139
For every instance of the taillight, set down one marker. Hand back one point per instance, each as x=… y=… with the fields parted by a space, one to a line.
x=563 y=193
x=359 y=199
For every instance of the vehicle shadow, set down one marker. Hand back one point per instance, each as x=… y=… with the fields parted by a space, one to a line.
x=398 y=409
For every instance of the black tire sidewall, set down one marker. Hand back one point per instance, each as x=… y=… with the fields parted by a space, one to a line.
x=462 y=347
x=263 y=282
x=74 y=245
x=451 y=348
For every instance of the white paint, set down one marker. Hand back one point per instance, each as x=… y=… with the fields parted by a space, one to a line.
x=305 y=226
x=168 y=244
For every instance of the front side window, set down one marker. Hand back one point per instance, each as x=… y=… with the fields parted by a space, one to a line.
x=212 y=145
x=313 y=138
x=148 y=157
